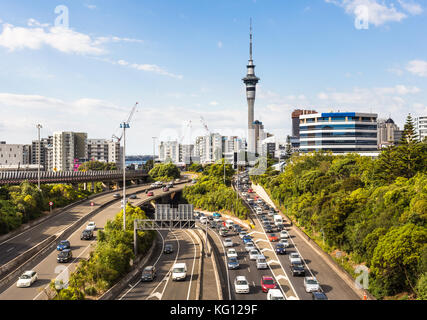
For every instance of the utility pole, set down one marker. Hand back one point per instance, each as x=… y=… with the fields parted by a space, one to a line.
x=39 y=126
x=124 y=125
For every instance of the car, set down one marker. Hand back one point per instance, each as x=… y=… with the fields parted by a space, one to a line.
x=213 y=224
x=268 y=228
x=210 y=218
x=271 y=213
x=217 y=220
x=249 y=246
x=63 y=244
x=272 y=237
x=149 y=273
x=132 y=196
x=250 y=190
x=87 y=234
x=253 y=254
x=150 y=194
x=280 y=248
x=275 y=294
x=284 y=234
x=261 y=262
x=297 y=269
x=231 y=253
x=170 y=185
x=117 y=196
x=268 y=283
x=168 y=248
x=318 y=295
x=165 y=189
x=216 y=215
x=228 y=243
x=242 y=234
x=258 y=210
x=91 y=226
x=203 y=220
x=260 y=201
x=241 y=285
x=223 y=232
x=285 y=242
x=247 y=239
x=280 y=226
x=27 y=279
x=233 y=263
x=295 y=258
x=64 y=256
x=154 y=185
x=311 y=284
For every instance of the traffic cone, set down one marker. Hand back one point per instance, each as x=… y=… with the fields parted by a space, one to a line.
x=365 y=297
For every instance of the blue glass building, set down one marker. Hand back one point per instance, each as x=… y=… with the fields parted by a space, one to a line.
x=338 y=132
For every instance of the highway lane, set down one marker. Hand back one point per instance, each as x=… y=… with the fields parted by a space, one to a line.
x=49 y=269
x=331 y=283
x=12 y=248
x=247 y=268
x=186 y=249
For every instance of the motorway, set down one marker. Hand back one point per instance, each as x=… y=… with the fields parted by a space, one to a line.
x=49 y=269
x=13 y=247
x=186 y=250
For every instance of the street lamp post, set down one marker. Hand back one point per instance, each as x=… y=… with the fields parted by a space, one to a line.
x=39 y=126
x=124 y=125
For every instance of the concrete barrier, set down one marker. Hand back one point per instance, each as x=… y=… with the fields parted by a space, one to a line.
x=202 y=254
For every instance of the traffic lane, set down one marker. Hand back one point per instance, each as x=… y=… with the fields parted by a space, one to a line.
x=332 y=284
x=49 y=269
x=190 y=255
x=139 y=290
x=12 y=248
x=247 y=268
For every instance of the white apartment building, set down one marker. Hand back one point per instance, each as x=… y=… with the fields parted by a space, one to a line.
x=14 y=154
x=104 y=150
x=169 y=151
x=67 y=148
x=421 y=126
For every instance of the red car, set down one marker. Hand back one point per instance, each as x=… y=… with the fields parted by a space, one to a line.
x=267 y=283
x=150 y=194
x=250 y=190
x=272 y=237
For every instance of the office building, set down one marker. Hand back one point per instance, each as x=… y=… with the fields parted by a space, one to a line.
x=40 y=151
x=421 y=127
x=14 y=155
x=389 y=133
x=338 y=132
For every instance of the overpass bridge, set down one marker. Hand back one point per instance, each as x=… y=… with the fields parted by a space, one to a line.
x=17 y=177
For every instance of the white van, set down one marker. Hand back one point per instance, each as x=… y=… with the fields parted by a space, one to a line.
x=275 y=294
x=179 y=271
x=229 y=224
x=277 y=219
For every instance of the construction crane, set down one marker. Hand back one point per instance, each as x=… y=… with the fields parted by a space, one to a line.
x=126 y=123
x=202 y=120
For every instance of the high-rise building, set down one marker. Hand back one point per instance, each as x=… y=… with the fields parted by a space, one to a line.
x=421 y=126
x=388 y=133
x=169 y=151
x=338 y=132
x=295 y=120
x=40 y=151
x=251 y=81
x=67 y=147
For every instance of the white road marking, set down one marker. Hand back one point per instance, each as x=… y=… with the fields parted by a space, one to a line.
x=10 y=249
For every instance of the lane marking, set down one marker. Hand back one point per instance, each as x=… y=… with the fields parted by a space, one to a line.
x=194 y=263
x=9 y=250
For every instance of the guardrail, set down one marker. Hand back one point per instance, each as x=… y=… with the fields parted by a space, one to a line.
x=16 y=177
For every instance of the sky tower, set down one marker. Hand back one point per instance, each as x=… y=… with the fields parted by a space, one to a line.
x=251 y=81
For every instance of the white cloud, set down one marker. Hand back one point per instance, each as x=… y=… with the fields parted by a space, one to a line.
x=59 y=38
x=417 y=67
x=34 y=23
x=379 y=11
x=90 y=6
x=213 y=103
x=411 y=7
x=156 y=69
x=220 y=44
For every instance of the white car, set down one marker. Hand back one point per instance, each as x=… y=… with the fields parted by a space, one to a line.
x=261 y=262
x=203 y=220
x=231 y=253
x=260 y=201
x=91 y=226
x=311 y=284
x=217 y=219
x=241 y=285
x=284 y=234
x=253 y=254
x=275 y=294
x=27 y=279
x=228 y=243
x=249 y=246
x=285 y=242
x=295 y=258
x=244 y=194
x=242 y=234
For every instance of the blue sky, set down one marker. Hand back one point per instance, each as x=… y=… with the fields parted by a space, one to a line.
x=184 y=59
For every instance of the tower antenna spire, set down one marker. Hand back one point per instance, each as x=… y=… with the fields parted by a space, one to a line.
x=250 y=46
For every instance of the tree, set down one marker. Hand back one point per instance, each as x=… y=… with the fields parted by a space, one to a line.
x=409 y=135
